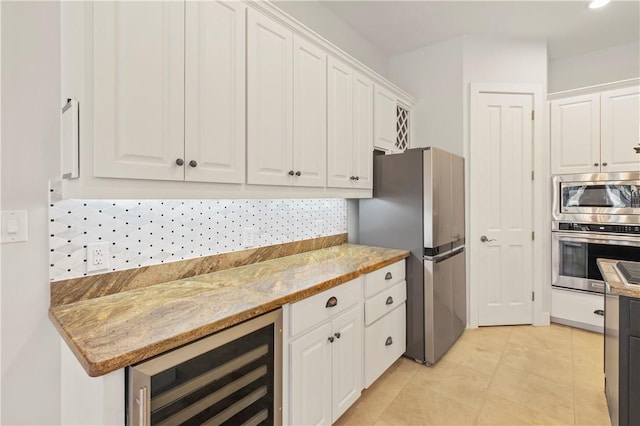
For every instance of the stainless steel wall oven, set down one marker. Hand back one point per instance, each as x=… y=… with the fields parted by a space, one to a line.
x=232 y=377
x=595 y=216
x=575 y=248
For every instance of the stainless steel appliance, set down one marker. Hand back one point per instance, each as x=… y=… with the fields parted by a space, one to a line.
x=576 y=247
x=231 y=377
x=597 y=198
x=418 y=205
x=595 y=216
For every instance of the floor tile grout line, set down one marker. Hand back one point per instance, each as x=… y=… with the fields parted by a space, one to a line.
x=493 y=375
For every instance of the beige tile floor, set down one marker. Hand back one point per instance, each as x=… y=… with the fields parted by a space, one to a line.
x=520 y=375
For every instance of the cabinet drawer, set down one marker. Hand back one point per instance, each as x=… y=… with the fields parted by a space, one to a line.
x=384 y=302
x=384 y=343
x=578 y=309
x=634 y=317
x=383 y=278
x=322 y=306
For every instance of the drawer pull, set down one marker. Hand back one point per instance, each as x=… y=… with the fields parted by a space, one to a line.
x=337 y=335
x=388 y=276
x=389 y=341
x=331 y=339
x=333 y=301
x=389 y=301
x=599 y=312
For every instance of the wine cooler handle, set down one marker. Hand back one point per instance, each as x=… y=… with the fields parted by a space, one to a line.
x=143 y=410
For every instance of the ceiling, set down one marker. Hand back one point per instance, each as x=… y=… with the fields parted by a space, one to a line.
x=569 y=27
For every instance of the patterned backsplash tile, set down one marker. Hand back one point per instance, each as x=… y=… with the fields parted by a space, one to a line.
x=148 y=232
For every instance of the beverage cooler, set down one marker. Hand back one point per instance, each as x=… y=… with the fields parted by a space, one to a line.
x=232 y=377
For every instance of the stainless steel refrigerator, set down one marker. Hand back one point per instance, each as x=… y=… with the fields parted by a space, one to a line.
x=418 y=205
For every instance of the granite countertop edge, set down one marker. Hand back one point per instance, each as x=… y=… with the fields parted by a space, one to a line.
x=614 y=282
x=96 y=364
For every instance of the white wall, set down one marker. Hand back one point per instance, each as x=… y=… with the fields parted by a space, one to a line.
x=433 y=74
x=327 y=24
x=30 y=107
x=599 y=67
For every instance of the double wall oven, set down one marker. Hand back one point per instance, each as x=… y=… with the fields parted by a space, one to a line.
x=594 y=216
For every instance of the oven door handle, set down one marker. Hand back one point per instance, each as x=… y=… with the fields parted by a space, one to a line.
x=580 y=237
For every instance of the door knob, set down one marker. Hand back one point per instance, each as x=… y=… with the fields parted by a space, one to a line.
x=484 y=239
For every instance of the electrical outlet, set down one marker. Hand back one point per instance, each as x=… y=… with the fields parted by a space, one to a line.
x=97 y=257
x=249 y=237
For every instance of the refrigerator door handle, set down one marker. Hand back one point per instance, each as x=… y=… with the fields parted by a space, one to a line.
x=445 y=256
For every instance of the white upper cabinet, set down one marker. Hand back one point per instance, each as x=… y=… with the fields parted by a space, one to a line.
x=620 y=129
x=138 y=65
x=575 y=135
x=269 y=101
x=169 y=90
x=596 y=132
x=350 y=127
x=363 y=131
x=215 y=92
x=287 y=107
x=309 y=114
x=385 y=119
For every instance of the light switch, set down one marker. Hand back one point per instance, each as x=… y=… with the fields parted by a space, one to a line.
x=14 y=226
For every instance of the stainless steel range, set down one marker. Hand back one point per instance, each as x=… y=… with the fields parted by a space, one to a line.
x=596 y=216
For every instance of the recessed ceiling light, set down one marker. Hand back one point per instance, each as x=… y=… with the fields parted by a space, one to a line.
x=595 y=4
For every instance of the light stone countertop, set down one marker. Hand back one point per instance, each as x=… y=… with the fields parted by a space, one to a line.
x=615 y=283
x=111 y=332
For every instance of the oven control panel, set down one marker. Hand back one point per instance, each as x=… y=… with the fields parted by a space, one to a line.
x=600 y=228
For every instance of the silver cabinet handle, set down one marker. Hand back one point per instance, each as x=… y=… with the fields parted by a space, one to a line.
x=596 y=164
x=337 y=335
x=298 y=173
x=291 y=172
x=193 y=163
x=141 y=400
x=179 y=161
x=388 y=276
x=389 y=301
x=333 y=301
x=331 y=339
x=484 y=239
x=599 y=312
x=604 y=164
x=389 y=341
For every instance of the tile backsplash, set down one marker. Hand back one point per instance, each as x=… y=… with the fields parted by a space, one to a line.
x=148 y=232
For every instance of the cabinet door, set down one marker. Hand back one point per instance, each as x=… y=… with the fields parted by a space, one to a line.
x=339 y=125
x=575 y=135
x=363 y=131
x=634 y=380
x=269 y=101
x=311 y=378
x=309 y=114
x=214 y=91
x=138 y=89
x=620 y=129
x=347 y=350
x=384 y=119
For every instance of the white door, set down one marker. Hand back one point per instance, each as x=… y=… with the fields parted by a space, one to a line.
x=575 y=135
x=339 y=125
x=501 y=166
x=347 y=349
x=269 y=101
x=309 y=114
x=362 y=131
x=138 y=89
x=311 y=377
x=385 y=119
x=620 y=129
x=214 y=91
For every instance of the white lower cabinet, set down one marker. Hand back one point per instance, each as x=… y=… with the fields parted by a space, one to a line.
x=325 y=362
x=384 y=343
x=385 y=320
x=578 y=309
